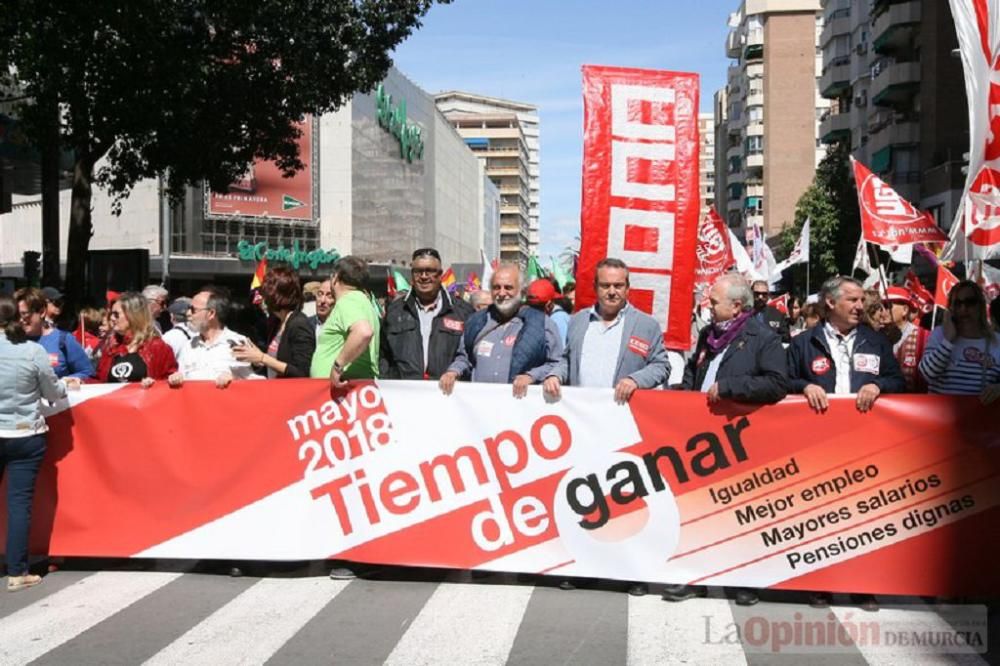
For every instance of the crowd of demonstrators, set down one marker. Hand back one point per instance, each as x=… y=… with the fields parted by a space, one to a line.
x=66 y=356
x=292 y=341
x=507 y=343
x=421 y=333
x=26 y=377
x=133 y=351
x=963 y=354
x=612 y=344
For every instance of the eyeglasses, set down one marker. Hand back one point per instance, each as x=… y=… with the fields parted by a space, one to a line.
x=429 y=272
x=192 y=308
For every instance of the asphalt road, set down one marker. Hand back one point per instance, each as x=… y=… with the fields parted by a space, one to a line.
x=177 y=613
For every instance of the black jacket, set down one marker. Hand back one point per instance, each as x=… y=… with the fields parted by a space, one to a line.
x=402 y=347
x=754 y=368
x=810 y=362
x=297 y=345
x=776 y=321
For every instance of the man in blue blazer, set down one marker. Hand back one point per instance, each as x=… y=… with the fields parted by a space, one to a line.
x=611 y=345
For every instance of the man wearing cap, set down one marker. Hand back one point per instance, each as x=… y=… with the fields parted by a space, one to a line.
x=543 y=296
x=769 y=315
x=180 y=333
x=841 y=355
x=611 y=345
x=53 y=305
x=507 y=343
x=913 y=338
x=421 y=333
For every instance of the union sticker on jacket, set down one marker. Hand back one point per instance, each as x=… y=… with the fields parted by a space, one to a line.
x=867 y=363
x=453 y=324
x=639 y=346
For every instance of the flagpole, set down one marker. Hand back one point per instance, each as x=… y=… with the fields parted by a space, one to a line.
x=881 y=272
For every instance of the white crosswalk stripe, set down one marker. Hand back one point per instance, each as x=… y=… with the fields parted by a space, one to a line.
x=301 y=619
x=464 y=624
x=48 y=623
x=696 y=631
x=251 y=627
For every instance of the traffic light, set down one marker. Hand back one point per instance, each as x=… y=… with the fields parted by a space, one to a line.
x=32 y=268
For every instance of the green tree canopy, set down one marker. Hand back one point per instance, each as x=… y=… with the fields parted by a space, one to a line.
x=194 y=89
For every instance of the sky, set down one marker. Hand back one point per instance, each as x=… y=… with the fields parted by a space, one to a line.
x=533 y=51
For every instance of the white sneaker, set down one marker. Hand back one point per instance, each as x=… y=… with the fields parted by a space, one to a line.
x=15 y=583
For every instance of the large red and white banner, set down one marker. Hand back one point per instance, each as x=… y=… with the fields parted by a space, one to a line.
x=976 y=231
x=640 y=189
x=888 y=219
x=902 y=500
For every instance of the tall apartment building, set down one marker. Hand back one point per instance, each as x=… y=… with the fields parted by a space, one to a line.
x=898 y=95
x=706 y=160
x=506 y=135
x=769 y=112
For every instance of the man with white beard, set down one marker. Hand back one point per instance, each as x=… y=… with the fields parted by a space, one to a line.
x=508 y=342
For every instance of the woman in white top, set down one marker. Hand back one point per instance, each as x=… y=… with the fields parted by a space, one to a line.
x=963 y=354
x=26 y=376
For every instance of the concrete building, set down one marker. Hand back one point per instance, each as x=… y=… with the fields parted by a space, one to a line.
x=388 y=172
x=771 y=110
x=898 y=96
x=706 y=161
x=506 y=135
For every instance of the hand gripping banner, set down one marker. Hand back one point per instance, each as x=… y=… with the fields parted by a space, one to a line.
x=640 y=189
x=903 y=500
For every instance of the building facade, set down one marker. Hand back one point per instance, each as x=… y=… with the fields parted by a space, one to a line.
x=506 y=136
x=898 y=96
x=706 y=161
x=770 y=111
x=388 y=174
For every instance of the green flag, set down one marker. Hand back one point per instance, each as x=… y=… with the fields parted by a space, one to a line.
x=400 y=281
x=561 y=276
x=534 y=271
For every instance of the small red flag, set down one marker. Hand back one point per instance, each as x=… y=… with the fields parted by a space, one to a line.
x=946 y=280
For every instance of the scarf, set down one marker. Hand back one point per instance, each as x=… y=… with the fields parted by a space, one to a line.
x=722 y=333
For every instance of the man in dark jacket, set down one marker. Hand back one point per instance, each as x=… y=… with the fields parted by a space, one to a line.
x=769 y=315
x=842 y=356
x=421 y=333
x=736 y=358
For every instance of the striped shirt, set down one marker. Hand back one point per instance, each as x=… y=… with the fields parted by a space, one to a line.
x=963 y=367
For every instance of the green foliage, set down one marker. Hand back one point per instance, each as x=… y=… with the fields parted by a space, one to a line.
x=831 y=203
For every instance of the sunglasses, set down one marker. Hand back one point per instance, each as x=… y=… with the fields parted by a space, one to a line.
x=426 y=252
x=420 y=272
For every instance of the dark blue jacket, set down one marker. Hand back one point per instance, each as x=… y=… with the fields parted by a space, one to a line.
x=810 y=362
x=754 y=368
x=529 y=347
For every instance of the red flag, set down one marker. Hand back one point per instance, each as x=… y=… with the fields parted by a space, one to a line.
x=258 y=276
x=889 y=219
x=923 y=298
x=945 y=281
x=780 y=303
x=715 y=256
x=390 y=285
x=640 y=189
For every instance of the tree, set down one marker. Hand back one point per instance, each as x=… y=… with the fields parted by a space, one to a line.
x=189 y=90
x=831 y=202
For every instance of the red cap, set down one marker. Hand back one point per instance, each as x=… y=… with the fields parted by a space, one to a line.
x=899 y=295
x=111 y=296
x=541 y=292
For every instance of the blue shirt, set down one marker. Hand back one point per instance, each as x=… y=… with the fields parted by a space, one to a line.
x=66 y=357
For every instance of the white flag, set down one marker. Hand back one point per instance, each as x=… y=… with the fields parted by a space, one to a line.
x=487 y=280
x=799 y=253
x=862 y=261
x=901 y=254
x=743 y=262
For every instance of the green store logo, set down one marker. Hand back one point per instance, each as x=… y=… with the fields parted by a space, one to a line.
x=294 y=255
x=393 y=120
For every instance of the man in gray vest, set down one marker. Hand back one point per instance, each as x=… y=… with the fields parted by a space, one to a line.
x=611 y=345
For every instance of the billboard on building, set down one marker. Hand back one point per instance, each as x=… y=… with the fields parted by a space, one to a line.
x=262 y=192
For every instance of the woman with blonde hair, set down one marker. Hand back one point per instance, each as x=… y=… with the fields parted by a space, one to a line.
x=134 y=351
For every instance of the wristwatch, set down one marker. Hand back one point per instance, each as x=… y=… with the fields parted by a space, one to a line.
x=338 y=367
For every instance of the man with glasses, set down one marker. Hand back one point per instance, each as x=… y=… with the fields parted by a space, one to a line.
x=158 y=298
x=769 y=315
x=209 y=354
x=421 y=333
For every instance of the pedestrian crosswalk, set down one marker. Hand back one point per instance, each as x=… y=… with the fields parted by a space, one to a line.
x=405 y=617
